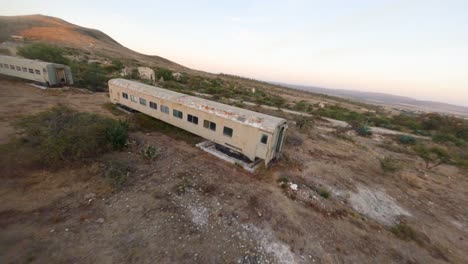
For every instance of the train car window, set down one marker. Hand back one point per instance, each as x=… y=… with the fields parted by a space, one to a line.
x=1 y=65
x=6 y=65
x=31 y=70
x=264 y=139
x=38 y=71
x=18 y=68
x=12 y=67
x=25 y=69
x=125 y=95
x=153 y=105
x=210 y=125
x=133 y=98
x=177 y=113
x=143 y=101
x=192 y=119
x=164 y=109
x=227 y=131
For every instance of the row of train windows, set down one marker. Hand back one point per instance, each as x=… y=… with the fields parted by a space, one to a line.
x=227 y=131
x=18 y=68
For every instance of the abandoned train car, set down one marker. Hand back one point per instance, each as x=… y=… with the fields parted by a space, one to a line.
x=46 y=73
x=255 y=135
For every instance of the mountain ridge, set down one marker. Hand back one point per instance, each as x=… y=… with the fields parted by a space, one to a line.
x=387 y=99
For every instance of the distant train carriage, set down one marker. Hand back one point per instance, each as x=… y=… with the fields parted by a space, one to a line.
x=255 y=135
x=46 y=73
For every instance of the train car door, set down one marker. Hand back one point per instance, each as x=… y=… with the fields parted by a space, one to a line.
x=60 y=74
x=279 y=141
x=262 y=146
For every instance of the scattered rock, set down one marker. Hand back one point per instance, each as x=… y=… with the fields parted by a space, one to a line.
x=100 y=220
x=89 y=196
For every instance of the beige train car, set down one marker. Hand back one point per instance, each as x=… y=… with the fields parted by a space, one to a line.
x=255 y=135
x=46 y=73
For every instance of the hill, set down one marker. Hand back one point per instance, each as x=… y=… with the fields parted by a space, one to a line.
x=62 y=33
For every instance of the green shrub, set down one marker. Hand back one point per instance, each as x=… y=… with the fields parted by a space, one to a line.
x=117 y=134
x=363 y=131
x=389 y=164
x=433 y=157
x=447 y=138
x=283 y=181
x=166 y=74
x=407 y=140
x=115 y=66
x=90 y=76
x=301 y=106
x=62 y=134
x=44 y=52
x=150 y=152
x=324 y=193
x=404 y=231
x=117 y=173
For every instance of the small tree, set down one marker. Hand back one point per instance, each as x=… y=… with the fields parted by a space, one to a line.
x=435 y=156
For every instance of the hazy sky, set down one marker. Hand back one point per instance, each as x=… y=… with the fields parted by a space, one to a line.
x=417 y=48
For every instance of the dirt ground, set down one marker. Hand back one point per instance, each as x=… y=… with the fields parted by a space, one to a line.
x=189 y=207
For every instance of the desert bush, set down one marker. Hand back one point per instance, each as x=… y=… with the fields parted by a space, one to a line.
x=283 y=181
x=447 y=138
x=62 y=134
x=389 y=164
x=404 y=231
x=150 y=152
x=324 y=193
x=117 y=134
x=433 y=157
x=363 y=130
x=44 y=52
x=304 y=123
x=302 y=106
x=407 y=139
x=116 y=65
x=90 y=76
x=117 y=173
x=166 y=74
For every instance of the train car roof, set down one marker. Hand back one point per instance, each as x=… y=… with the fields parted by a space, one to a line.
x=11 y=59
x=240 y=115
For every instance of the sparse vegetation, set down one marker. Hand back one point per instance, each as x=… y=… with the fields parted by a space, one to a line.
x=389 y=164
x=433 y=156
x=117 y=173
x=303 y=123
x=62 y=134
x=448 y=139
x=150 y=152
x=283 y=181
x=407 y=140
x=324 y=193
x=363 y=130
x=404 y=231
x=113 y=109
x=44 y=52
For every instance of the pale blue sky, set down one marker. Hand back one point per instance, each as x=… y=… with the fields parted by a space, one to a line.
x=417 y=48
